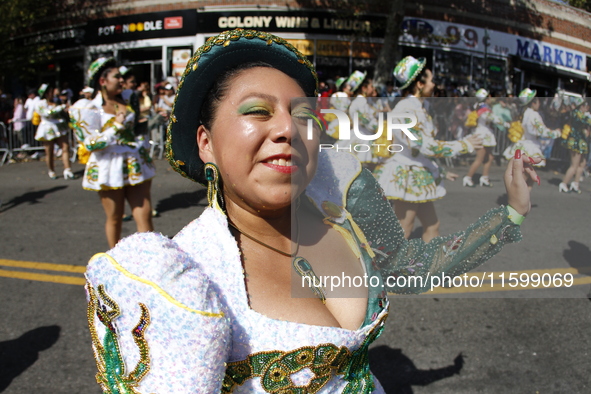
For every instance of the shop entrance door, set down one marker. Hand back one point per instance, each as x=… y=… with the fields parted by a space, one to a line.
x=147 y=70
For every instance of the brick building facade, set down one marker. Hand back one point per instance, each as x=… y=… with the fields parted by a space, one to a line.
x=504 y=45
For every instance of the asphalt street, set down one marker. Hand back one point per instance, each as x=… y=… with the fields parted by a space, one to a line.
x=489 y=340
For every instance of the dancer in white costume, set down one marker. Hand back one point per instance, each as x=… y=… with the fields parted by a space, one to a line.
x=533 y=129
x=340 y=100
x=410 y=178
x=363 y=112
x=484 y=130
x=118 y=167
x=53 y=129
x=575 y=138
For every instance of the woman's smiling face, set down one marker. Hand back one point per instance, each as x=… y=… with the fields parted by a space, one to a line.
x=258 y=140
x=112 y=81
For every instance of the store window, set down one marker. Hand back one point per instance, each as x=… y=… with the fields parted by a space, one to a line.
x=177 y=58
x=364 y=55
x=466 y=72
x=332 y=59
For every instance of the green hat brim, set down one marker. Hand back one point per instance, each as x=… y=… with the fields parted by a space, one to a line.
x=220 y=53
x=42 y=89
x=529 y=99
x=422 y=63
x=359 y=83
x=93 y=78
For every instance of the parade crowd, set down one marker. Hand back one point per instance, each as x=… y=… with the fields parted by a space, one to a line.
x=473 y=125
x=216 y=308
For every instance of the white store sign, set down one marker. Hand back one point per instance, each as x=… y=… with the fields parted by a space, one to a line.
x=463 y=37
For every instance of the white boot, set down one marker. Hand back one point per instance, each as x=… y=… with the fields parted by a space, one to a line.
x=467 y=181
x=562 y=188
x=574 y=187
x=68 y=174
x=484 y=181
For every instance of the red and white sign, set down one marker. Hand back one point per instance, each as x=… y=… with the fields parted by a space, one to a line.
x=173 y=22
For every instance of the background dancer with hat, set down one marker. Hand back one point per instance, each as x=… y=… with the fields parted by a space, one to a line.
x=365 y=107
x=484 y=122
x=118 y=165
x=338 y=100
x=410 y=178
x=532 y=129
x=575 y=138
x=53 y=129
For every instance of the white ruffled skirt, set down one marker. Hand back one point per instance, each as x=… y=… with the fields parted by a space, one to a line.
x=412 y=183
x=49 y=131
x=118 y=166
x=487 y=136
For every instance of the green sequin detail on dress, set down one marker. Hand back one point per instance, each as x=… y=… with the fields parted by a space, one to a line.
x=111 y=374
x=274 y=368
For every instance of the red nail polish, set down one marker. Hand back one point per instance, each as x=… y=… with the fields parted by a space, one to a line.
x=518 y=154
x=538 y=180
x=531 y=160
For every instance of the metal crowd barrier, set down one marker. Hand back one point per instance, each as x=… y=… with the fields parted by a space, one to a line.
x=157 y=140
x=19 y=137
x=4 y=144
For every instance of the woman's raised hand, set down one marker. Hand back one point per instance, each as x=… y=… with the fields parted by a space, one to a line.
x=519 y=178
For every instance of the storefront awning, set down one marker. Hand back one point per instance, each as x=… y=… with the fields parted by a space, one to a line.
x=560 y=70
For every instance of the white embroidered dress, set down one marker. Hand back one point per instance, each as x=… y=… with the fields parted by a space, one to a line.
x=411 y=174
x=172 y=316
x=118 y=158
x=366 y=111
x=530 y=142
x=54 y=122
x=487 y=119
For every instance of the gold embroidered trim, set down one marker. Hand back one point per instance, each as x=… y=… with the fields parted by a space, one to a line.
x=109 y=361
x=155 y=286
x=275 y=367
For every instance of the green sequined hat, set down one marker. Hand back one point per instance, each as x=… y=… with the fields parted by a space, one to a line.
x=407 y=70
x=124 y=70
x=356 y=79
x=526 y=96
x=481 y=94
x=42 y=89
x=220 y=53
x=97 y=67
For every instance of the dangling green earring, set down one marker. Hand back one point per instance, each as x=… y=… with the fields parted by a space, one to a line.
x=214 y=195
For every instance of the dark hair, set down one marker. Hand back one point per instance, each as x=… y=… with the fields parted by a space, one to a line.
x=96 y=85
x=49 y=89
x=363 y=84
x=533 y=101
x=422 y=78
x=220 y=88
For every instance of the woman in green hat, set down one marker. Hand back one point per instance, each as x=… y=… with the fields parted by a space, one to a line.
x=534 y=129
x=410 y=178
x=575 y=137
x=118 y=165
x=53 y=129
x=235 y=302
x=365 y=107
x=483 y=129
